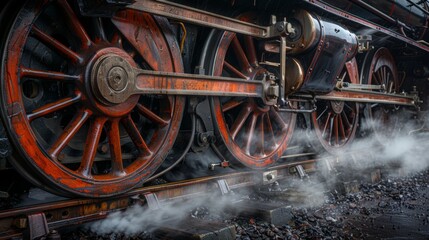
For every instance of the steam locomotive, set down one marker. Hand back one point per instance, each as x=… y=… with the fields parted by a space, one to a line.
x=94 y=93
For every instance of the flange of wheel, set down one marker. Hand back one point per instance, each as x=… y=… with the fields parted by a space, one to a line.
x=72 y=138
x=251 y=132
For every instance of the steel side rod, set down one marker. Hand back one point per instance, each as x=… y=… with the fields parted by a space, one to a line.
x=150 y=82
x=184 y=13
x=364 y=97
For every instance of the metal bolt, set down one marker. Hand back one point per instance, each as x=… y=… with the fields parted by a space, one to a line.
x=61 y=157
x=280 y=27
x=103 y=148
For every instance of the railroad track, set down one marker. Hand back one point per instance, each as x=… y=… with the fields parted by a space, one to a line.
x=36 y=220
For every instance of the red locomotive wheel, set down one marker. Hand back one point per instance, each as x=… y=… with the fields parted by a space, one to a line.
x=379 y=68
x=251 y=132
x=335 y=122
x=67 y=137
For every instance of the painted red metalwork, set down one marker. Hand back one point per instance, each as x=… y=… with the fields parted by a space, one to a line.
x=253 y=133
x=131 y=139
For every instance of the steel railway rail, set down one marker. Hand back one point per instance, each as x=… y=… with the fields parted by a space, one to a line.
x=42 y=218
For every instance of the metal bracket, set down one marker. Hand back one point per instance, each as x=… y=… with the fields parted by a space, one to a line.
x=294 y=110
x=152 y=201
x=37 y=226
x=269 y=177
x=328 y=165
x=223 y=164
x=364 y=42
x=223 y=186
x=301 y=171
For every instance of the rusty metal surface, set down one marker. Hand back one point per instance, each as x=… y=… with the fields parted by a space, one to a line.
x=82 y=117
x=187 y=14
x=138 y=81
x=369 y=97
x=252 y=132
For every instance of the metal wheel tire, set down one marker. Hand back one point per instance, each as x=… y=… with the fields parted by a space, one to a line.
x=66 y=138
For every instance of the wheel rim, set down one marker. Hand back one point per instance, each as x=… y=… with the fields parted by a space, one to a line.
x=253 y=133
x=380 y=69
x=335 y=122
x=67 y=137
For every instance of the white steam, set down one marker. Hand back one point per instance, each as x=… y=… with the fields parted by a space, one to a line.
x=405 y=149
x=399 y=146
x=137 y=218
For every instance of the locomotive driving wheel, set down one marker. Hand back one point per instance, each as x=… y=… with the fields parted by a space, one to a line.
x=379 y=69
x=250 y=131
x=68 y=138
x=335 y=122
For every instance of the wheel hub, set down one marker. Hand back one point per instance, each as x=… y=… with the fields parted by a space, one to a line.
x=337 y=106
x=111 y=76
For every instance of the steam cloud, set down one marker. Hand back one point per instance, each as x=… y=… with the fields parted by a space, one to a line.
x=406 y=150
x=138 y=218
x=402 y=146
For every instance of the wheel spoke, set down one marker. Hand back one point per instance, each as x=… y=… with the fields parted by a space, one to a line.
x=49 y=75
x=323 y=113
x=53 y=107
x=152 y=116
x=251 y=50
x=384 y=72
x=348 y=106
x=341 y=126
x=376 y=78
x=346 y=120
x=380 y=76
x=261 y=133
x=336 y=130
x=270 y=129
x=72 y=128
x=75 y=24
x=113 y=133
x=91 y=145
x=234 y=70
x=250 y=132
x=278 y=119
x=135 y=136
x=343 y=76
x=99 y=29
x=231 y=104
x=239 y=122
x=326 y=124
x=390 y=87
x=116 y=39
x=241 y=55
x=374 y=105
x=56 y=45
x=331 y=129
